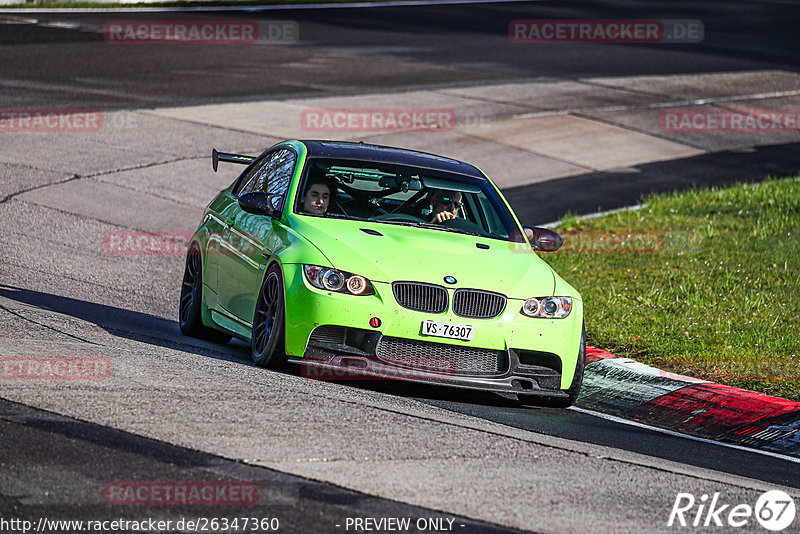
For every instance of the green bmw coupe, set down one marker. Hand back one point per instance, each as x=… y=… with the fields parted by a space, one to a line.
x=385 y=263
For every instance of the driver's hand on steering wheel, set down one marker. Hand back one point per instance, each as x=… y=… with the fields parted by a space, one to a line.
x=443 y=216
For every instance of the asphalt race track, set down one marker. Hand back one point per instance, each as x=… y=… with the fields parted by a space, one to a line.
x=179 y=409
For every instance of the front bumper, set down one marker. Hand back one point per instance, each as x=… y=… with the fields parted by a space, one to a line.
x=535 y=356
x=342 y=364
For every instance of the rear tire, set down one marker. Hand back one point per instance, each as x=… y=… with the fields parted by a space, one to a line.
x=574 y=389
x=190 y=312
x=267 y=339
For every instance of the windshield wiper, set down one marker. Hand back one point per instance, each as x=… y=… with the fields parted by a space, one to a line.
x=434 y=226
x=342 y=216
x=424 y=225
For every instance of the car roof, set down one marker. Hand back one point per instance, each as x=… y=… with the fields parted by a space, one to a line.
x=389 y=155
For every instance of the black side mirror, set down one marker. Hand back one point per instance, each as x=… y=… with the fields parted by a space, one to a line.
x=543 y=239
x=262 y=204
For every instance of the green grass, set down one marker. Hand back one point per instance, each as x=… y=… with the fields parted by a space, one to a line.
x=703 y=283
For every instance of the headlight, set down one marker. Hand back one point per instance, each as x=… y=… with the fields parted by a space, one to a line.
x=357 y=284
x=339 y=281
x=547 y=307
x=332 y=280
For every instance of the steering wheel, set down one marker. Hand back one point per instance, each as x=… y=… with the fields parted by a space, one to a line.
x=462 y=224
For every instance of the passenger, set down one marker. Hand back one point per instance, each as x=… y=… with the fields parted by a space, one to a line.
x=445 y=205
x=317 y=197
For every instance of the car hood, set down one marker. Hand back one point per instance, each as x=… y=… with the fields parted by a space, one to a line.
x=427 y=255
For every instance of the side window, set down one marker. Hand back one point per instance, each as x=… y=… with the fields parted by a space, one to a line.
x=272 y=175
x=489 y=218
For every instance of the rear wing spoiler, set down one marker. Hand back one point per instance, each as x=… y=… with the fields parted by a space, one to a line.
x=216 y=157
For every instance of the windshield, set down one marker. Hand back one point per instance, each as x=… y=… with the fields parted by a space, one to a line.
x=367 y=191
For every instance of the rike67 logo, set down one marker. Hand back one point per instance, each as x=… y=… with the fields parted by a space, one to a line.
x=774 y=510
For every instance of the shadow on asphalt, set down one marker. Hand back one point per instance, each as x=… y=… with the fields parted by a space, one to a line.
x=588 y=193
x=434 y=393
x=566 y=424
x=157 y=331
x=57 y=447
x=128 y=324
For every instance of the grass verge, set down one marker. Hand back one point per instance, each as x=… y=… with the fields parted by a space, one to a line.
x=703 y=283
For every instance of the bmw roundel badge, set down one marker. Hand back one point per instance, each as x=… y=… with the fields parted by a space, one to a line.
x=449 y=279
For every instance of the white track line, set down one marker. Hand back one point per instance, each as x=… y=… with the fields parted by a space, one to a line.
x=596 y=215
x=686 y=436
x=277 y=7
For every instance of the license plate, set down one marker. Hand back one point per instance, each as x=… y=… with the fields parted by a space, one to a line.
x=448 y=330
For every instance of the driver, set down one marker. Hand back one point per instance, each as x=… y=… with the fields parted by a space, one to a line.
x=445 y=205
x=317 y=197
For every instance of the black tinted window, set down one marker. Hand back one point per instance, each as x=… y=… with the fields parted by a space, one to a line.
x=271 y=175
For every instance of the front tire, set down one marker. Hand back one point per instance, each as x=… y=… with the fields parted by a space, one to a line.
x=190 y=311
x=267 y=340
